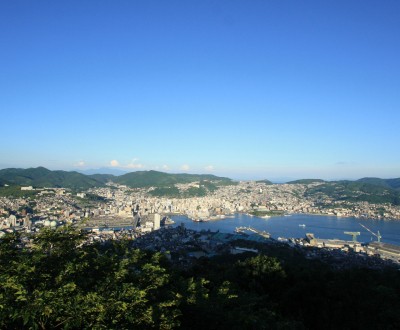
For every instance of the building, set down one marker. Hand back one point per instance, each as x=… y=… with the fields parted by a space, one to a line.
x=384 y=250
x=332 y=243
x=152 y=221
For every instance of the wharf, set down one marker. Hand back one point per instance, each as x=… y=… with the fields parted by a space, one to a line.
x=256 y=231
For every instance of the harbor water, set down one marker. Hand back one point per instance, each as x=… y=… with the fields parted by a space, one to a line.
x=297 y=225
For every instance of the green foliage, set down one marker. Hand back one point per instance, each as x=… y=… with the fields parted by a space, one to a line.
x=42 y=177
x=173 y=192
x=386 y=183
x=355 y=192
x=15 y=191
x=166 y=192
x=210 y=186
x=269 y=213
x=142 y=179
x=94 y=197
x=62 y=282
x=195 y=192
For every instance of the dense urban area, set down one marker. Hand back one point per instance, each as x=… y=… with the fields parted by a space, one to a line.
x=135 y=212
x=56 y=205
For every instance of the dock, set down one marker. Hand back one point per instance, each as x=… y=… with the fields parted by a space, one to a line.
x=262 y=233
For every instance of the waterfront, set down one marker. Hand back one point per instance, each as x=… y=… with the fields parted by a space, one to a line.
x=325 y=227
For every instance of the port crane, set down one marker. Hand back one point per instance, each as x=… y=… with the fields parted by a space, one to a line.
x=354 y=234
x=378 y=235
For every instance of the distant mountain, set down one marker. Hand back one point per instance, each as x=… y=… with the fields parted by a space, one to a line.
x=387 y=183
x=104 y=170
x=141 y=179
x=306 y=181
x=265 y=181
x=42 y=177
x=102 y=177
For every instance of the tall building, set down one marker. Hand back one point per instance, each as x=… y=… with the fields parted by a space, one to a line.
x=157 y=221
x=150 y=221
x=136 y=219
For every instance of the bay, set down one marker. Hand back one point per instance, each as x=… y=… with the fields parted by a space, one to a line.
x=325 y=227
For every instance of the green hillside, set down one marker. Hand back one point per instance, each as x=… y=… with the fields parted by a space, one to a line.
x=354 y=191
x=15 y=191
x=173 y=192
x=142 y=179
x=42 y=177
x=387 y=183
x=3 y=182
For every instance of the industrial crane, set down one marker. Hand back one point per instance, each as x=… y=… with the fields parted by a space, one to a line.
x=378 y=235
x=354 y=234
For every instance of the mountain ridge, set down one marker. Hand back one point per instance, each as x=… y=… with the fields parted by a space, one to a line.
x=43 y=177
x=143 y=179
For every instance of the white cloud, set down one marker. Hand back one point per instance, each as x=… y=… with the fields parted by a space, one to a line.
x=185 y=167
x=165 y=167
x=209 y=168
x=114 y=163
x=80 y=164
x=134 y=164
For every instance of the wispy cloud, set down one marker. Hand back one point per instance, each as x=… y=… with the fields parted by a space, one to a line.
x=209 y=168
x=185 y=167
x=132 y=165
x=80 y=164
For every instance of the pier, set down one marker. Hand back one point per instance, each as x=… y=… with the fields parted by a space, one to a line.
x=262 y=233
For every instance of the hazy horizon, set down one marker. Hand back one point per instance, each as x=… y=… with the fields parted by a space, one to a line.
x=247 y=90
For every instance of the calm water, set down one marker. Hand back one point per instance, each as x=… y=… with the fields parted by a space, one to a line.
x=321 y=226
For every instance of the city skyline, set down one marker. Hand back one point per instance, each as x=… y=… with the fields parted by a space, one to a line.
x=261 y=90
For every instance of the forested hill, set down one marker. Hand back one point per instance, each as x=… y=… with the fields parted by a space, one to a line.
x=365 y=189
x=354 y=191
x=42 y=177
x=387 y=183
x=141 y=179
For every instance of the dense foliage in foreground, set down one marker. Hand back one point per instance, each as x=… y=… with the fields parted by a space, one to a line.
x=59 y=282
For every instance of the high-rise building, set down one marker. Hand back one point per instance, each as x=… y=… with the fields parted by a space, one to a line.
x=157 y=221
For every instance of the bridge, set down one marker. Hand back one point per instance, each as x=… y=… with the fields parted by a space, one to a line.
x=256 y=231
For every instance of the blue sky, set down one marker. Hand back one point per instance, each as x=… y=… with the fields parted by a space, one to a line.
x=246 y=89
